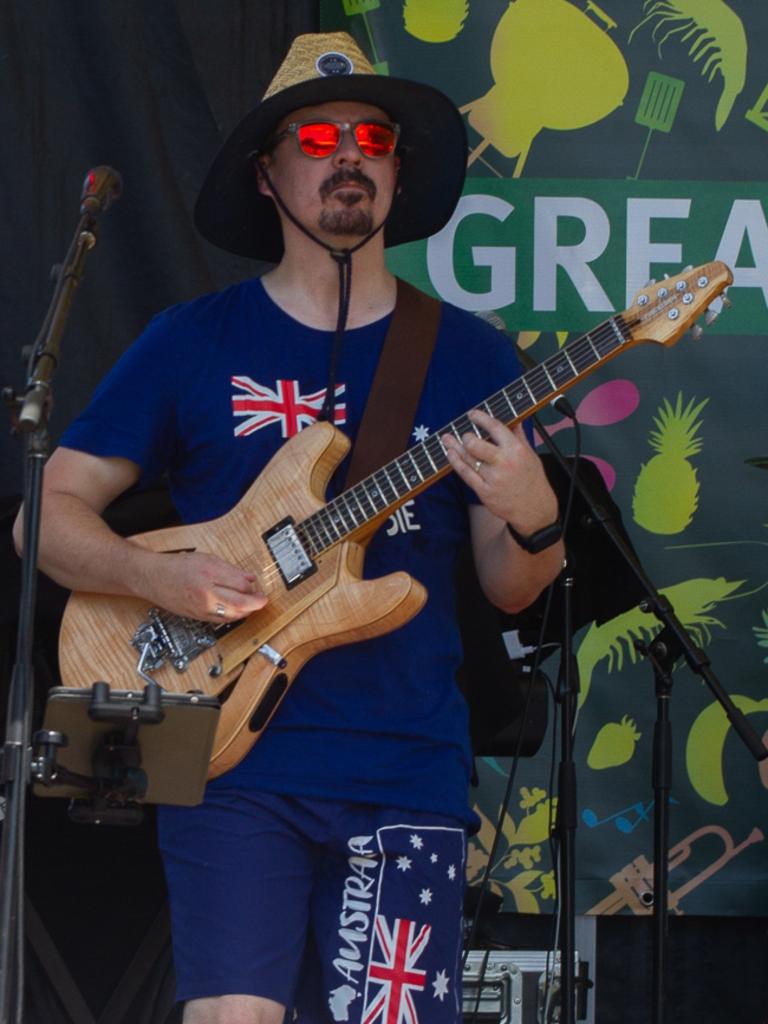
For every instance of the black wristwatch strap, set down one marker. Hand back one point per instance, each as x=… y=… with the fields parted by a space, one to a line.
x=540 y=540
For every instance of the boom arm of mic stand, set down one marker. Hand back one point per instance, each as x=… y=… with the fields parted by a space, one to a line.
x=46 y=354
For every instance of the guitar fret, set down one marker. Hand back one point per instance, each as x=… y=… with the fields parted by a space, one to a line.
x=508 y=400
x=530 y=393
x=561 y=369
x=319 y=519
x=620 y=337
x=414 y=463
x=367 y=489
x=438 y=457
x=424 y=461
x=305 y=535
x=440 y=452
x=550 y=379
x=524 y=397
x=467 y=426
x=603 y=343
x=388 y=481
x=541 y=386
x=333 y=519
x=461 y=426
x=402 y=474
x=338 y=510
x=348 y=508
x=356 y=492
x=588 y=338
x=495 y=404
x=584 y=355
x=369 y=493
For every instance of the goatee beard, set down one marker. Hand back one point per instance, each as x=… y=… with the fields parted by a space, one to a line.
x=350 y=220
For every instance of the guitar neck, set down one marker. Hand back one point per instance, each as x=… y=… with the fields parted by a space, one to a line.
x=351 y=514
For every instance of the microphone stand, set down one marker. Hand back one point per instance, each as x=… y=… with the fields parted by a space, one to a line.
x=671 y=643
x=30 y=416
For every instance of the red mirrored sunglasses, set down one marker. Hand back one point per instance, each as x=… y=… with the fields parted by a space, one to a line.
x=320 y=139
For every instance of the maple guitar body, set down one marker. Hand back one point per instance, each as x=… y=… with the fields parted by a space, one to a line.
x=251 y=665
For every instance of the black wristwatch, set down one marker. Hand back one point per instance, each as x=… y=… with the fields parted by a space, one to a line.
x=540 y=540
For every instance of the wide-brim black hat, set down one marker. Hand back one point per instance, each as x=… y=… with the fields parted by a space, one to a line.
x=321 y=67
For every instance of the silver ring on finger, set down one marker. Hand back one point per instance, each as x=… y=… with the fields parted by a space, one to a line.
x=477 y=466
x=220 y=610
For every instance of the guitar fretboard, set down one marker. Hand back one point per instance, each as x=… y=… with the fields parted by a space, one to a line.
x=392 y=485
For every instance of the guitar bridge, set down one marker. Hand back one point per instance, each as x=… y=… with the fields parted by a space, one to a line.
x=170 y=638
x=289 y=553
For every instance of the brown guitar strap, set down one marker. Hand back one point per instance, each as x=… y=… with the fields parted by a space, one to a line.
x=397 y=384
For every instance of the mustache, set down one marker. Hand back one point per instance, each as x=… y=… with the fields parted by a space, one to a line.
x=345 y=174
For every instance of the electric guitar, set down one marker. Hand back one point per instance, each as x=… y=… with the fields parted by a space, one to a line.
x=308 y=554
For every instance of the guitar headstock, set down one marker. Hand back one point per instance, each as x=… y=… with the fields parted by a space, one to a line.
x=663 y=311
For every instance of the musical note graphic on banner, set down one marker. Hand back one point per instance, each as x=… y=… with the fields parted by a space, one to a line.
x=620 y=818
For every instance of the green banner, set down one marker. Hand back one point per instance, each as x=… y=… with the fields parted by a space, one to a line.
x=610 y=145
x=555 y=254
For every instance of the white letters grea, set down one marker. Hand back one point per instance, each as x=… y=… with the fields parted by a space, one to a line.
x=550 y=259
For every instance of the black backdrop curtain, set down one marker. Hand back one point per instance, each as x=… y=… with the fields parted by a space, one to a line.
x=150 y=87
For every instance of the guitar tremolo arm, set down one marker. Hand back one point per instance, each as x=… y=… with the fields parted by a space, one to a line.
x=165 y=637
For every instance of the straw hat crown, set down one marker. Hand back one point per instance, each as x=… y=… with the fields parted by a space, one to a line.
x=319 y=55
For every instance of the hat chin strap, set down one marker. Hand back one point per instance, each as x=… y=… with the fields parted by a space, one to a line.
x=343 y=260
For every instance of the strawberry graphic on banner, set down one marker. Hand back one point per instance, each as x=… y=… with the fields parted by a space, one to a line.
x=260 y=406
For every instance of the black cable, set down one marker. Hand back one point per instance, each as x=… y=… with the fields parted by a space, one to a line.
x=554 y=847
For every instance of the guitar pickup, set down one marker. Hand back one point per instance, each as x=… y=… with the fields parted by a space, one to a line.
x=288 y=552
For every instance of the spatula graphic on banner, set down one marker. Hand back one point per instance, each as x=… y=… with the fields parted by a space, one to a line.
x=657 y=108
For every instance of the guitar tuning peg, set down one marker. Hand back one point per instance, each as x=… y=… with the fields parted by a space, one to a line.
x=710 y=316
x=666 y=276
x=689 y=267
x=696 y=332
x=650 y=282
x=727 y=304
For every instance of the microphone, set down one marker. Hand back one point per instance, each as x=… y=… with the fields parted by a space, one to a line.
x=102 y=185
x=559 y=403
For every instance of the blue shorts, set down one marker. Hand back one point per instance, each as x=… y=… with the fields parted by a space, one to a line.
x=342 y=912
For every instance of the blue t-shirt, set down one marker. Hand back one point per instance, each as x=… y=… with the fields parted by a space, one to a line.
x=207 y=395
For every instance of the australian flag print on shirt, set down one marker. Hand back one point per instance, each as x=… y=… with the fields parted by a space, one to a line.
x=256 y=406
